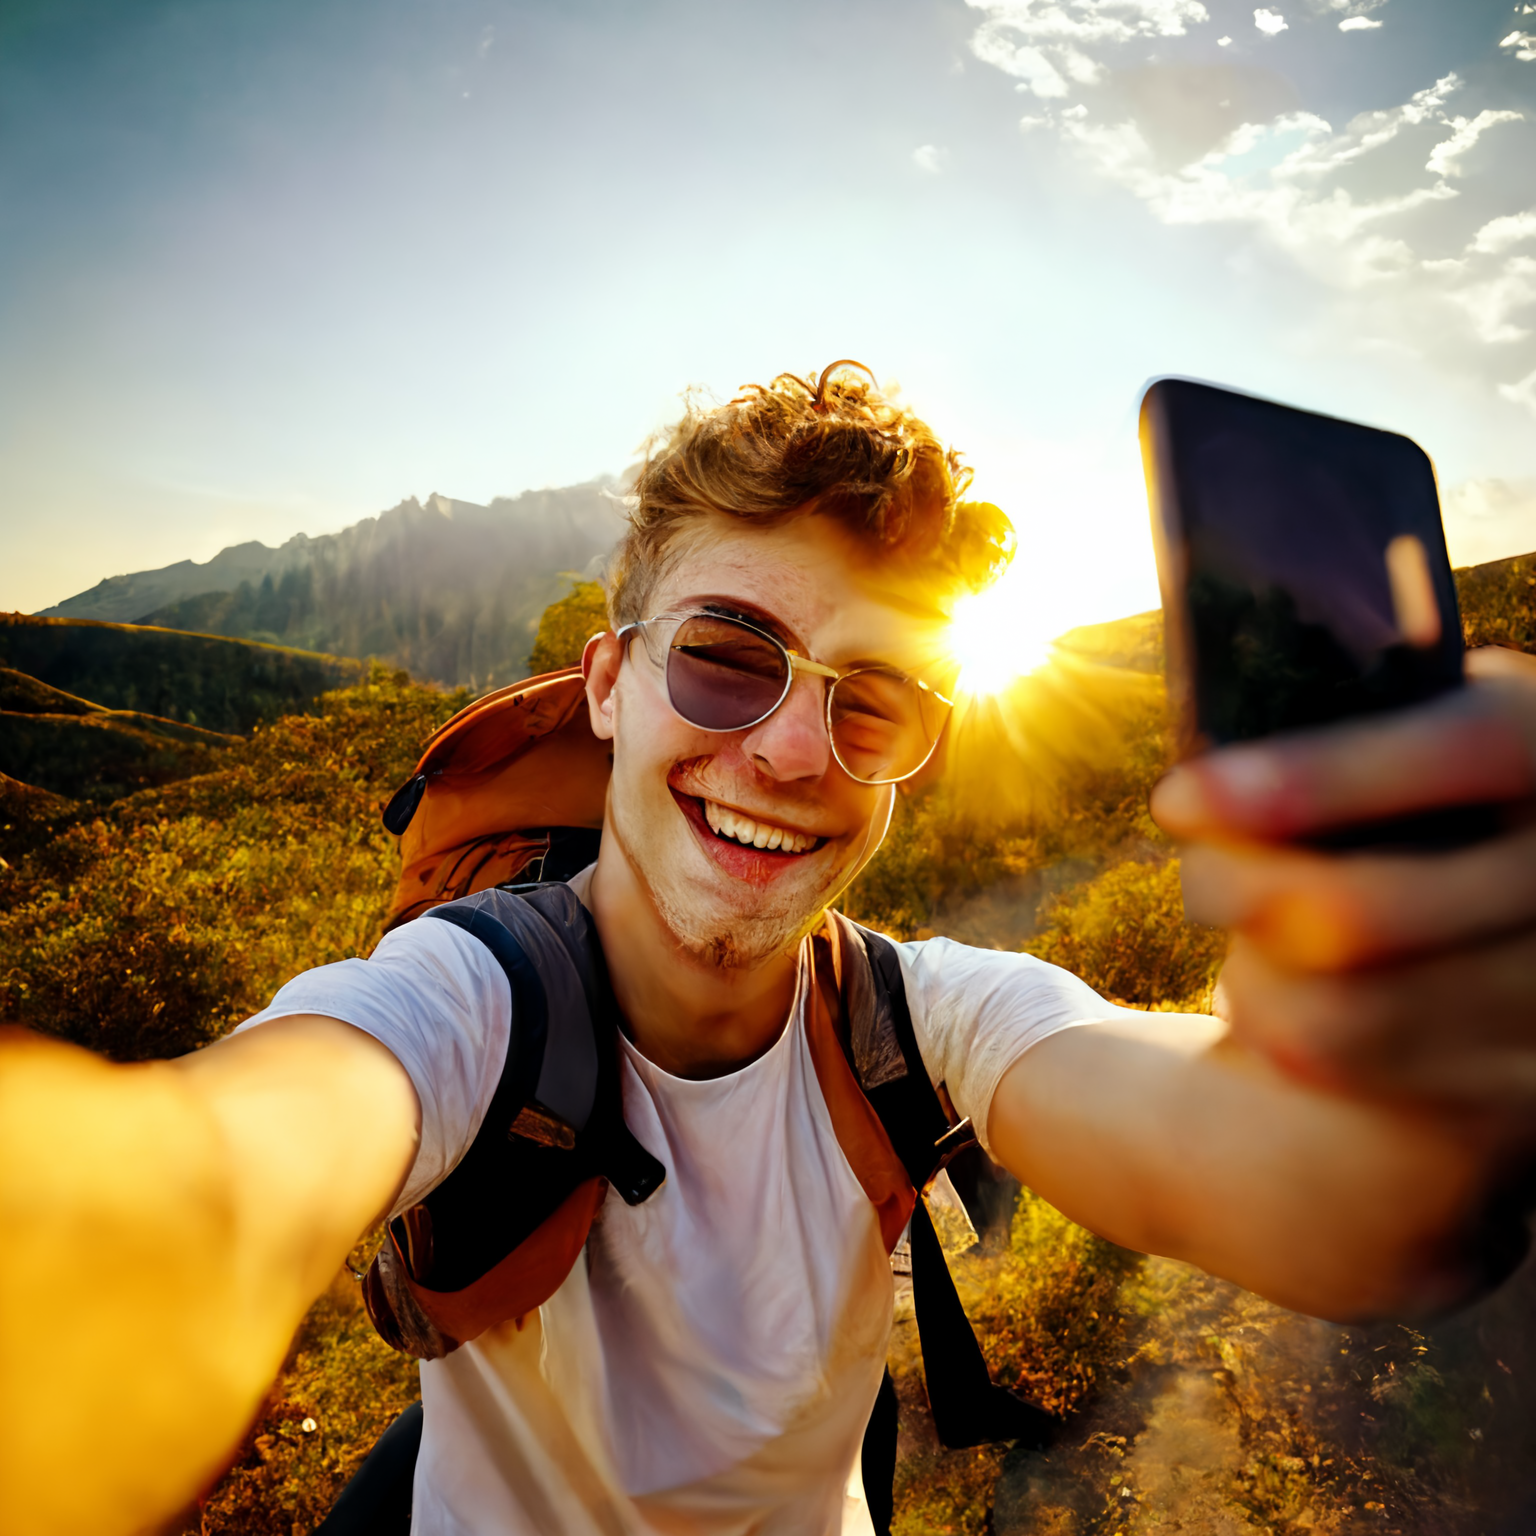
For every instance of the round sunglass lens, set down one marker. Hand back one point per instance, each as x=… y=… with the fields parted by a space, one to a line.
x=721 y=675
x=884 y=725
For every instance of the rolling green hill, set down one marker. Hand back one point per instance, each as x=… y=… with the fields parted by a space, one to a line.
x=104 y=754
x=93 y=712
x=219 y=684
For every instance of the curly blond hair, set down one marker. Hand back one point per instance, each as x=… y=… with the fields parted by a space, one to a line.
x=833 y=445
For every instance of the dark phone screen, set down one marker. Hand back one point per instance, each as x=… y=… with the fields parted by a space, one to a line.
x=1289 y=596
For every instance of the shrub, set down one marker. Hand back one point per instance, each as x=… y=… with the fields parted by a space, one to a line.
x=932 y=854
x=1498 y=603
x=159 y=924
x=1126 y=935
x=566 y=627
x=1056 y=1313
x=1051 y=1313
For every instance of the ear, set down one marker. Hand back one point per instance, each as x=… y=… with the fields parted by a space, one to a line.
x=600 y=663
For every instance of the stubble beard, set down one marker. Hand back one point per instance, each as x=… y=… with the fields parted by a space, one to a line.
x=727 y=941
x=739 y=943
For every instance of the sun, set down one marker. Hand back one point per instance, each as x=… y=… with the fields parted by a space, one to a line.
x=998 y=636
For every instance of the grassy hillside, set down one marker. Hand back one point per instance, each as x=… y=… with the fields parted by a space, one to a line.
x=29 y=818
x=202 y=680
x=105 y=754
x=1498 y=603
x=150 y=925
x=20 y=694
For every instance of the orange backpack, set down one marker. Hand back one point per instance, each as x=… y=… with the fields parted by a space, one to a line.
x=509 y=789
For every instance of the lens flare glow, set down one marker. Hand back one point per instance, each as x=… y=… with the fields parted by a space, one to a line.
x=998 y=636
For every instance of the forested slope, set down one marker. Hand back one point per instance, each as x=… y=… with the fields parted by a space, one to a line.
x=448 y=589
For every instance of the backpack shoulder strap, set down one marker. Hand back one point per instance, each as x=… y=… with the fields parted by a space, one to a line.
x=881 y=1042
x=497 y=1237
x=886 y=1057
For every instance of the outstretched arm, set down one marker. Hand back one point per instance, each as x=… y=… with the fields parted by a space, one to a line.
x=1336 y=1150
x=165 y=1226
x=1157 y=1132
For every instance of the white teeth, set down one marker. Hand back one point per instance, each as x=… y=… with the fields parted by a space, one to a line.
x=755 y=834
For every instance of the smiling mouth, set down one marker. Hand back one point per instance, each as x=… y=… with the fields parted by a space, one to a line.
x=742 y=844
x=733 y=826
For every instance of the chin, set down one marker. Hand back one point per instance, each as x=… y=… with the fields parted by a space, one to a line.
x=728 y=923
x=726 y=906
x=732 y=929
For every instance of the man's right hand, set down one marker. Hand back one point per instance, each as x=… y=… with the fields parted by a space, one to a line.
x=163 y=1228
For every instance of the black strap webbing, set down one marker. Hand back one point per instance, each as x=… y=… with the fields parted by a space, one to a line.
x=968 y=1407
x=530 y=1009
x=877 y=1461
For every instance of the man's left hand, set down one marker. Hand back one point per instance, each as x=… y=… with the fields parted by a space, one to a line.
x=1393 y=973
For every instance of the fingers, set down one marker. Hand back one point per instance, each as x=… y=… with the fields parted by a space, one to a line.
x=1475 y=747
x=1405 y=974
x=1451 y=1028
x=1317 y=913
x=1496 y=661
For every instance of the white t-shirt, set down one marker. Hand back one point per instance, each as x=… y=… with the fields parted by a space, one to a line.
x=711 y=1365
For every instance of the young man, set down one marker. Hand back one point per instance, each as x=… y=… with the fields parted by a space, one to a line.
x=710 y=1366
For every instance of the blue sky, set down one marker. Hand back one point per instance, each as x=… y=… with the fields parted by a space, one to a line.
x=270 y=267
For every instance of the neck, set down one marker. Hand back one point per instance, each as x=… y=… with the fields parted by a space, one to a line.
x=690 y=1017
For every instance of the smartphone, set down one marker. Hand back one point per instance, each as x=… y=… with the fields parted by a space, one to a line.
x=1304 y=578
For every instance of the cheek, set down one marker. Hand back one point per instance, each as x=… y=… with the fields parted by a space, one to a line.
x=648 y=738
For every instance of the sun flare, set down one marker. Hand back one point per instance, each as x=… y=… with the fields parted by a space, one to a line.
x=998 y=636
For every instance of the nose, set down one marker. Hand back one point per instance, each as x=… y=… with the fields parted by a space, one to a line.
x=792 y=742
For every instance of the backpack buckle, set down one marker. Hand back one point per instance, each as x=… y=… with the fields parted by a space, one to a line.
x=956 y=1139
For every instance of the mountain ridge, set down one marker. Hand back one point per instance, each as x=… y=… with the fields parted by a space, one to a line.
x=450 y=590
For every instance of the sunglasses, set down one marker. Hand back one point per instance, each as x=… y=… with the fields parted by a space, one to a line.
x=724 y=674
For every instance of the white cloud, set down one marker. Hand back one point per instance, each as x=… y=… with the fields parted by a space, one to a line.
x=929 y=158
x=1042 y=43
x=1270 y=23
x=1273 y=176
x=1032 y=67
x=1223 y=42
x=1524 y=44
x=1395 y=216
x=1357 y=13
x=1522 y=393
x=1494 y=302
x=1489 y=519
x=1466 y=132
x=1499 y=234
